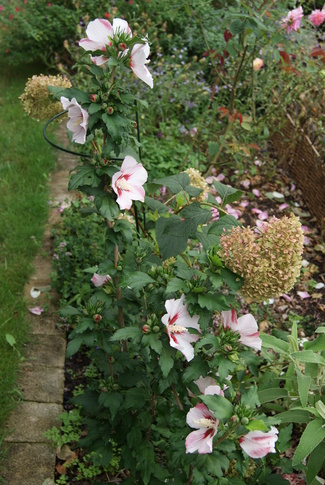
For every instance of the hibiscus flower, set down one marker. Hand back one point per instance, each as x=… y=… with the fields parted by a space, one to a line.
x=99 y=280
x=138 y=60
x=177 y=321
x=99 y=33
x=128 y=182
x=258 y=444
x=206 y=424
x=78 y=122
x=246 y=326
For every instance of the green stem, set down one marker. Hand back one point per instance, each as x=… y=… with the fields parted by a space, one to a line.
x=222 y=146
x=233 y=92
x=226 y=435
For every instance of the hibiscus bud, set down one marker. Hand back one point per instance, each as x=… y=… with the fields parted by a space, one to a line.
x=104 y=105
x=122 y=46
x=244 y=420
x=111 y=360
x=104 y=97
x=234 y=418
x=228 y=348
x=110 y=110
x=97 y=318
x=104 y=389
x=93 y=98
x=227 y=35
x=146 y=329
x=156 y=329
x=115 y=387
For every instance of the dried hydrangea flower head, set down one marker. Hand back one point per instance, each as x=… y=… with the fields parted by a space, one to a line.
x=196 y=180
x=36 y=99
x=269 y=261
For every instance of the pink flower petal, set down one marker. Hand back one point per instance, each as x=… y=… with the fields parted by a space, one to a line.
x=263 y=216
x=303 y=294
x=220 y=177
x=246 y=326
x=37 y=310
x=286 y=297
x=245 y=183
x=283 y=206
x=258 y=444
x=305 y=228
x=138 y=61
x=307 y=241
x=256 y=192
x=244 y=203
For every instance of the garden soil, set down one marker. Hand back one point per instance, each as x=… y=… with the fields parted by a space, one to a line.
x=31 y=459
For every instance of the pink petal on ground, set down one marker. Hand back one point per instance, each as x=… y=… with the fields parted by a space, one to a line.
x=256 y=192
x=245 y=183
x=37 y=310
x=258 y=163
x=307 y=241
x=293 y=187
x=283 y=206
x=220 y=177
x=244 y=203
x=256 y=211
x=263 y=216
x=305 y=228
x=286 y=297
x=303 y=294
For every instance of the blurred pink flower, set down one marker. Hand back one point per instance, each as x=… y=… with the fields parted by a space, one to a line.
x=78 y=122
x=258 y=64
x=258 y=444
x=317 y=17
x=177 y=321
x=99 y=280
x=206 y=424
x=293 y=19
x=246 y=326
x=128 y=182
x=37 y=310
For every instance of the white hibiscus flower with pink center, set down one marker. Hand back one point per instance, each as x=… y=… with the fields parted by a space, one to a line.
x=201 y=440
x=258 y=444
x=246 y=326
x=177 y=321
x=128 y=182
x=138 y=60
x=99 y=33
x=78 y=122
x=100 y=280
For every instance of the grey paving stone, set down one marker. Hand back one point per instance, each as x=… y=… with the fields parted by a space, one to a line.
x=48 y=350
x=42 y=384
x=44 y=325
x=30 y=420
x=29 y=464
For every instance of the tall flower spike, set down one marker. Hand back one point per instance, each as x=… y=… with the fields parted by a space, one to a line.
x=206 y=424
x=258 y=444
x=128 y=182
x=177 y=321
x=138 y=60
x=99 y=33
x=246 y=326
x=78 y=122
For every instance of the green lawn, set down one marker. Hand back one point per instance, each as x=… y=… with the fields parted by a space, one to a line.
x=25 y=163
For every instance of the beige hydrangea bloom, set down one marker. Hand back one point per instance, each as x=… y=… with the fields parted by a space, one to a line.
x=269 y=261
x=36 y=99
x=196 y=180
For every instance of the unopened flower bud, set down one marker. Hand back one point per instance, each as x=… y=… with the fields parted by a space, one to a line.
x=122 y=46
x=97 y=318
x=111 y=360
x=156 y=329
x=146 y=329
x=244 y=420
x=110 y=110
x=93 y=98
x=234 y=418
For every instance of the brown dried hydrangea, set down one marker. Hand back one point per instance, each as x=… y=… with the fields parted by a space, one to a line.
x=269 y=261
x=196 y=180
x=36 y=99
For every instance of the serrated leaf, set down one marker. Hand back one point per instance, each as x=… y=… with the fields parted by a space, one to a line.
x=311 y=437
x=175 y=183
x=228 y=194
x=153 y=341
x=271 y=342
x=175 y=285
x=155 y=205
x=214 y=302
x=136 y=398
x=308 y=356
x=112 y=401
x=84 y=175
x=137 y=280
x=219 y=405
x=94 y=107
x=237 y=27
x=69 y=93
x=74 y=345
x=284 y=440
x=126 y=333
x=166 y=362
x=69 y=310
x=223 y=225
x=107 y=206
x=170 y=246
x=316 y=345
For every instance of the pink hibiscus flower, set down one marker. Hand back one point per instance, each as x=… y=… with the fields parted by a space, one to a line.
x=128 y=182
x=138 y=60
x=99 y=280
x=246 y=326
x=258 y=444
x=99 y=33
x=177 y=321
x=78 y=122
x=206 y=426
x=293 y=19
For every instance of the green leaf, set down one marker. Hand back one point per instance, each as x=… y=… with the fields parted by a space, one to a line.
x=303 y=387
x=311 y=437
x=308 y=356
x=137 y=280
x=166 y=362
x=85 y=175
x=74 y=345
x=11 y=339
x=315 y=462
x=271 y=342
x=267 y=395
x=153 y=341
x=257 y=425
x=175 y=285
x=294 y=416
x=69 y=93
x=214 y=302
x=228 y=194
x=219 y=405
x=136 y=398
x=170 y=245
x=233 y=280
x=69 y=310
x=107 y=206
x=320 y=330
x=237 y=27
x=155 y=205
x=133 y=333
x=112 y=401
x=213 y=149
x=316 y=345
x=146 y=461
x=94 y=107
x=175 y=183
x=223 y=225
x=284 y=441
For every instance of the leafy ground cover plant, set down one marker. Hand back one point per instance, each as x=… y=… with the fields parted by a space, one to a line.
x=161 y=325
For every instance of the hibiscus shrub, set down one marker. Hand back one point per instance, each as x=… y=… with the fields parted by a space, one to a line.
x=187 y=390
